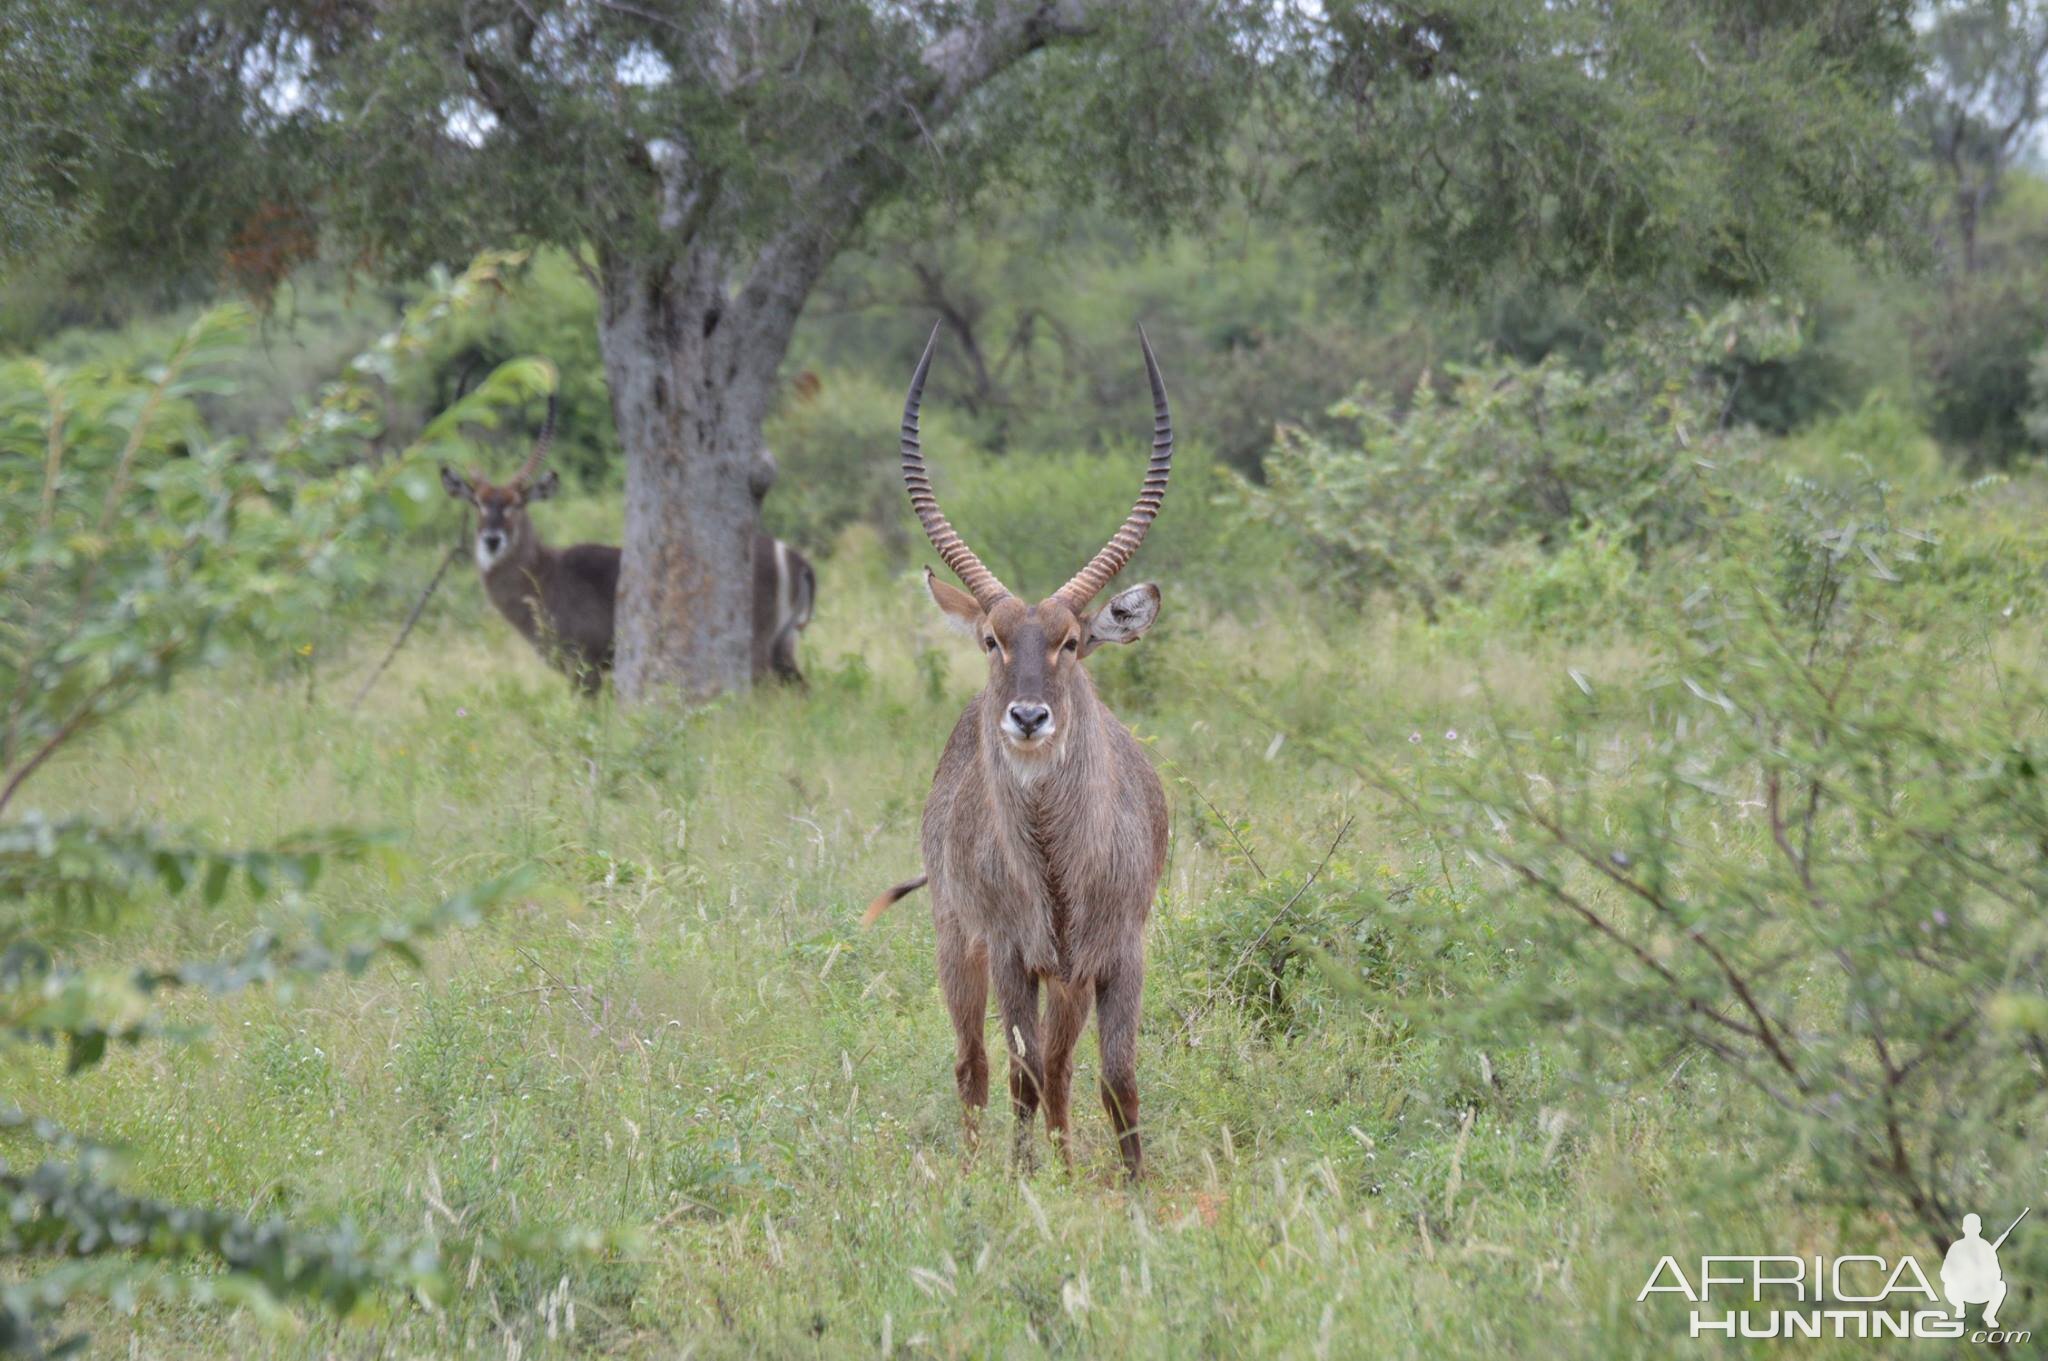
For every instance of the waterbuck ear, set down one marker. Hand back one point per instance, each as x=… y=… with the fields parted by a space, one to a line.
x=962 y=611
x=544 y=486
x=1123 y=619
x=456 y=485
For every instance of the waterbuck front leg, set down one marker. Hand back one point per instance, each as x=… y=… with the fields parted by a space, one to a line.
x=1066 y=1016
x=963 y=978
x=1117 y=996
x=1017 y=1000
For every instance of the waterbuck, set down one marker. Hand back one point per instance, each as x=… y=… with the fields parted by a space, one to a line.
x=561 y=599
x=1045 y=832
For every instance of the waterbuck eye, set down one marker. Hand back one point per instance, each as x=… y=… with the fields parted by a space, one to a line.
x=1071 y=645
x=989 y=643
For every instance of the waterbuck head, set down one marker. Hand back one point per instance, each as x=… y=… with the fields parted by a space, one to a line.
x=1037 y=688
x=504 y=532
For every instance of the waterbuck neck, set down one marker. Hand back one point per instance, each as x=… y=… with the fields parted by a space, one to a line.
x=1049 y=796
x=515 y=581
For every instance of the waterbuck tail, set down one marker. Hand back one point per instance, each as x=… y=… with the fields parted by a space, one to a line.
x=902 y=890
x=806 y=592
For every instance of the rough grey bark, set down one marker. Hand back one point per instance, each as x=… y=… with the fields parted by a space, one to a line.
x=693 y=336
x=689 y=403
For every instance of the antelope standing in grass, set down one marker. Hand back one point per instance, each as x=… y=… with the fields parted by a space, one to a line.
x=561 y=599
x=1045 y=833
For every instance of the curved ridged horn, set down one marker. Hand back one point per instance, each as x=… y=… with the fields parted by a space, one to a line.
x=1089 y=581
x=539 y=455
x=975 y=577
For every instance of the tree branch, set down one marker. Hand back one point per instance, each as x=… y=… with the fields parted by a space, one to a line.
x=832 y=202
x=1767 y=1030
x=86 y=710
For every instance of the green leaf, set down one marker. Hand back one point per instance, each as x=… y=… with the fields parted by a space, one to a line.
x=84 y=1050
x=173 y=871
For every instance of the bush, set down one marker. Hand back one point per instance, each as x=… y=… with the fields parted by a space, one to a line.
x=1590 y=583
x=1980 y=360
x=1805 y=847
x=1880 y=438
x=835 y=444
x=307 y=334
x=1037 y=520
x=1508 y=453
x=132 y=545
x=546 y=309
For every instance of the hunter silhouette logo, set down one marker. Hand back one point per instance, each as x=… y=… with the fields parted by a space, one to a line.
x=1970 y=1275
x=1757 y=1296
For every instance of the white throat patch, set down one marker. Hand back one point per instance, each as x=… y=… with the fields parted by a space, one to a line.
x=1032 y=764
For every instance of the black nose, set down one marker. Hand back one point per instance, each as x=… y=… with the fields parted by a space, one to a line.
x=493 y=541
x=1029 y=718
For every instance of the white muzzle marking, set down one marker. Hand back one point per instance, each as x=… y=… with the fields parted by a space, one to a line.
x=1033 y=741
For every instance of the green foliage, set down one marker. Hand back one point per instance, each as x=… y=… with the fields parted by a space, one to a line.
x=1537 y=456
x=1038 y=351
x=1976 y=113
x=1879 y=438
x=1859 y=338
x=1980 y=364
x=128 y=1249
x=1269 y=934
x=1586 y=585
x=307 y=333
x=79 y=864
x=1613 y=145
x=88 y=1009
x=135 y=544
x=68 y=1211
x=1802 y=841
x=137 y=548
x=837 y=461
x=546 y=309
x=1037 y=521
x=60 y=113
x=1640 y=143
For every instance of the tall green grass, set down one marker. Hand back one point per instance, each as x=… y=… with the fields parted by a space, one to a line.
x=684 y=1029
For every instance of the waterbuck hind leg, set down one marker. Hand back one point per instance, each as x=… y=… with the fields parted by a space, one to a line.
x=963 y=978
x=1017 y=999
x=1066 y=1015
x=1116 y=1027
x=783 y=659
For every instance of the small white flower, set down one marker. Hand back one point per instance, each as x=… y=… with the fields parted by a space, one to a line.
x=1450 y=734
x=1415 y=737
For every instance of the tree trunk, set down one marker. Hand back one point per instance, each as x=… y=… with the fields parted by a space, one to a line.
x=690 y=378
x=691 y=348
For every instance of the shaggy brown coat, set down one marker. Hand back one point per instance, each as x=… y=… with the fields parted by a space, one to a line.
x=1045 y=832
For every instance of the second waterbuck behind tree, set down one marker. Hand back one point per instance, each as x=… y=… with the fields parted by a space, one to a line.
x=562 y=600
x=1045 y=833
